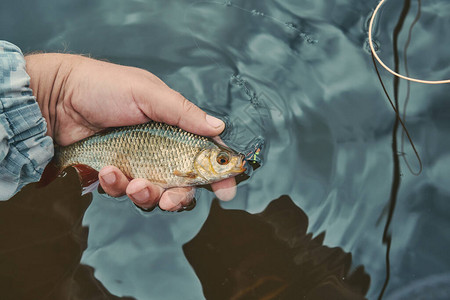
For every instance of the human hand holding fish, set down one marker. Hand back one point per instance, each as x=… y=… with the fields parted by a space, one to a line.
x=80 y=97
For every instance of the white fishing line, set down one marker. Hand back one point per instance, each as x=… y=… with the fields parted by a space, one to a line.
x=384 y=65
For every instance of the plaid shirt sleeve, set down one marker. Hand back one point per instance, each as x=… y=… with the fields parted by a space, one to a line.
x=25 y=149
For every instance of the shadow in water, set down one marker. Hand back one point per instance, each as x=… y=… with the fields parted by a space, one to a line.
x=238 y=255
x=41 y=243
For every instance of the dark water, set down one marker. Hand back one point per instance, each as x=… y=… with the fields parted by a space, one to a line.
x=298 y=73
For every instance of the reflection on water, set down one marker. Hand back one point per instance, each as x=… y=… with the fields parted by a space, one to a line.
x=42 y=240
x=296 y=73
x=269 y=255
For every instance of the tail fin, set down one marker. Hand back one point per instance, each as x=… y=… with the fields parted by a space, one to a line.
x=51 y=172
x=88 y=178
x=87 y=175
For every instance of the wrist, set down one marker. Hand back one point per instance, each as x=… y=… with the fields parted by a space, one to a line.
x=48 y=75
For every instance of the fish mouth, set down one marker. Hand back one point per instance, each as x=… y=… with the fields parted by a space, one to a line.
x=240 y=166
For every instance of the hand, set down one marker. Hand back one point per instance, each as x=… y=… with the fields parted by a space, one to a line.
x=79 y=96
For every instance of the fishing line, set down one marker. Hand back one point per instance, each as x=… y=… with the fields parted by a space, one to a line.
x=401 y=120
x=387 y=236
x=416 y=153
x=372 y=48
x=408 y=86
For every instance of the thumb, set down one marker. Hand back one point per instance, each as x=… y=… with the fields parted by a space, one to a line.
x=170 y=107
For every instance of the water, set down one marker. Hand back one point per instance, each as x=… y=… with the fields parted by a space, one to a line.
x=296 y=72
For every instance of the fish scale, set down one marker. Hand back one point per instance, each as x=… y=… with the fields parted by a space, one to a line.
x=154 y=151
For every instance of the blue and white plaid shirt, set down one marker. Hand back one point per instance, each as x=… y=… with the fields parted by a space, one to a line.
x=25 y=149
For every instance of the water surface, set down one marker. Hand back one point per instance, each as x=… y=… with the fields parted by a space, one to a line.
x=297 y=73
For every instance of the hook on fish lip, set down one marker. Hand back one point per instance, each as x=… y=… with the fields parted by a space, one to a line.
x=252 y=156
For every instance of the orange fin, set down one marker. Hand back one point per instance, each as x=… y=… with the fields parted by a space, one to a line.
x=51 y=172
x=189 y=174
x=88 y=177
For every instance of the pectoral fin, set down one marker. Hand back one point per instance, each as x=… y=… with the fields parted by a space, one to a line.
x=189 y=174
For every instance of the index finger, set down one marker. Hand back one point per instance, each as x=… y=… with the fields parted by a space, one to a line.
x=162 y=104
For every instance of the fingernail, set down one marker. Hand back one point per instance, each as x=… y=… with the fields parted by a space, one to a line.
x=226 y=194
x=109 y=178
x=142 y=195
x=146 y=209
x=175 y=198
x=214 y=122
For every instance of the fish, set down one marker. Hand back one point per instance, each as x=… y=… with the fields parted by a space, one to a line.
x=165 y=155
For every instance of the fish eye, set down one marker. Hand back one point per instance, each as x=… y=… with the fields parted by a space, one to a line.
x=222 y=158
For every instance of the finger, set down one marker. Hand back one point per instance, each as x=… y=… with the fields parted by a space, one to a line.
x=168 y=106
x=176 y=198
x=112 y=180
x=226 y=189
x=219 y=141
x=143 y=193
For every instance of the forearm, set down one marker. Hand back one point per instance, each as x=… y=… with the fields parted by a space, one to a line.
x=25 y=149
